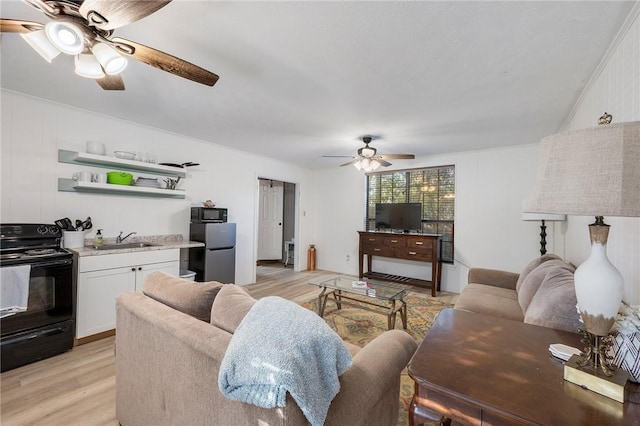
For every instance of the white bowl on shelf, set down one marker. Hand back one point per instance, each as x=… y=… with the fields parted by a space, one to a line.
x=125 y=155
x=96 y=148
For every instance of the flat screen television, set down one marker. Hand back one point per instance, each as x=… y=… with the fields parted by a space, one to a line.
x=404 y=217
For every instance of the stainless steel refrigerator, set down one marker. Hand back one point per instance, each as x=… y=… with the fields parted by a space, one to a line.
x=216 y=261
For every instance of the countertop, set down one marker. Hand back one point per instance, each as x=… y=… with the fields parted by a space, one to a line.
x=161 y=242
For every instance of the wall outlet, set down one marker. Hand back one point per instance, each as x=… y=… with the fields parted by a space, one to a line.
x=348 y=258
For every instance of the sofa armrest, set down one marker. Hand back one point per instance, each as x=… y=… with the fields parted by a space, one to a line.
x=369 y=390
x=493 y=277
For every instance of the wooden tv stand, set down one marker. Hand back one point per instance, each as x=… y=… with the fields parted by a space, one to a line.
x=418 y=247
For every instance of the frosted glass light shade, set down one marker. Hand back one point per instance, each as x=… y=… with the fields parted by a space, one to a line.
x=87 y=66
x=66 y=36
x=112 y=62
x=40 y=43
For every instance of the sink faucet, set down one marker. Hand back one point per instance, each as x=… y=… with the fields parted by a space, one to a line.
x=120 y=238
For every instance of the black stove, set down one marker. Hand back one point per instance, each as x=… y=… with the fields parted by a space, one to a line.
x=24 y=243
x=38 y=279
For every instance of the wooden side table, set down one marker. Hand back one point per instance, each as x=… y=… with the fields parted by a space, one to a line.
x=481 y=370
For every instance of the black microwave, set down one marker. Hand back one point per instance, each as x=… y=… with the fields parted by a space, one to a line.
x=208 y=214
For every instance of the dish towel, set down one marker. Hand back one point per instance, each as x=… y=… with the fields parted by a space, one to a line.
x=281 y=347
x=14 y=289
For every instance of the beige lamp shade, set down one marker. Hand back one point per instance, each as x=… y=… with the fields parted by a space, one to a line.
x=590 y=172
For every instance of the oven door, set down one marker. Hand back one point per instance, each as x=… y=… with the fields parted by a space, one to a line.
x=51 y=296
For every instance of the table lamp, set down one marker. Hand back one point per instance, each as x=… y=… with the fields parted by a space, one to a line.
x=592 y=172
x=543 y=218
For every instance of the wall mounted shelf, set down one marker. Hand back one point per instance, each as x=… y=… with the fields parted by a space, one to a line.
x=81 y=158
x=70 y=185
x=117 y=164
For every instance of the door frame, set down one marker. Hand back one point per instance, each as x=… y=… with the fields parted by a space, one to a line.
x=256 y=221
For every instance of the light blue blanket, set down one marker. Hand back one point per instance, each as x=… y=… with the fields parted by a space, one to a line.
x=281 y=347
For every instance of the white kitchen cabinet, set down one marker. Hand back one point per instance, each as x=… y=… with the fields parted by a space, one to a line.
x=102 y=278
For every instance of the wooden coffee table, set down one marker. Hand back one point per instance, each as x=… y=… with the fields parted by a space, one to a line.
x=480 y=370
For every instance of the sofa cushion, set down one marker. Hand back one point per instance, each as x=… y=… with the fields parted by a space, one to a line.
x=533 y=265
x=186 y=296
x=490 y=300
x=554 y=304
x=530 y=285
x=230 y=307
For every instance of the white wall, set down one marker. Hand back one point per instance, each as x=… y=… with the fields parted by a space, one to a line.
x=490 y=187
x=614 y=88
x=33 y=130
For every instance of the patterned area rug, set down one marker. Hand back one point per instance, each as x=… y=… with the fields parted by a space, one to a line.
x=359 y=326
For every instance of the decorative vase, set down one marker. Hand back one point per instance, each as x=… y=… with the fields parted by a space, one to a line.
x=311 y=258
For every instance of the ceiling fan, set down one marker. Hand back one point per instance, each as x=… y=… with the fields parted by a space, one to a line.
x=368 y=159
x=84 y=29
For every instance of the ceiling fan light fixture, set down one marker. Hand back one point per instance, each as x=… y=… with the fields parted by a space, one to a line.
x=87 y=66
x=40 y=43
x=367 y=151
x=366 y=164
x=112 y=62
x=66 y=36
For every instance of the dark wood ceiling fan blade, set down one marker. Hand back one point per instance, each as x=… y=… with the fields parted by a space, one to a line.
x=111 y=82
x=17 y=26
x=396 y=156
x=383 y=163
x=164 y=61
x=111 y=14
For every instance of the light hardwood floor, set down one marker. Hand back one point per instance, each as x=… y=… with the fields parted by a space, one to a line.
x=78 y=387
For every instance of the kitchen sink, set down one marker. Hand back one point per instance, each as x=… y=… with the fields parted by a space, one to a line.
x=123 y=246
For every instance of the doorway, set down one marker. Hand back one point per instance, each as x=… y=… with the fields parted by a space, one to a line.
x=276 y=222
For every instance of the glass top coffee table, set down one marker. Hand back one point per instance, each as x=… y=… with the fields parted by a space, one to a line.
x=377 y=295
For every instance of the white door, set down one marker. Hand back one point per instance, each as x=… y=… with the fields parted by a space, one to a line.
x=270 y=220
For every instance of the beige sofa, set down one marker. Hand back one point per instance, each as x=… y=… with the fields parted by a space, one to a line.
x=171 y=340
x=542 y=294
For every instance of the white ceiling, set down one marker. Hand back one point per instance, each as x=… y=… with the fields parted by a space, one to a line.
x=303 y=79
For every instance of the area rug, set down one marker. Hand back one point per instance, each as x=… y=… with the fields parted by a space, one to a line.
x=359 y=326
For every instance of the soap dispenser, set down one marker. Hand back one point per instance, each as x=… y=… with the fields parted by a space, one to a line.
x=99 y=239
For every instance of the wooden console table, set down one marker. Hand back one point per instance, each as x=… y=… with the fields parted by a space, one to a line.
x=481 y=370
x=418 y=247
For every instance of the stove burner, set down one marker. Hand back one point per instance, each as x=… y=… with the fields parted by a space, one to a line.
x=10 y=256
x=40 y=252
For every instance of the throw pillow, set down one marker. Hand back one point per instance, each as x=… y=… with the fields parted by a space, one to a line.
x=530 y=285
x=533 y=265
x=186 y=296
x=230 y=307
x=554 y=305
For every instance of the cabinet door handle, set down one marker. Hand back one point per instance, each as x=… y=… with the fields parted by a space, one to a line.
x=133 y=269
x=412 y=253
x=372 y=239
x=394 y=241
x=139 y=268
x=419 y=243
x=376 y=249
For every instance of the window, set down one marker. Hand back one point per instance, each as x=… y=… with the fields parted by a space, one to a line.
x=433 y=187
